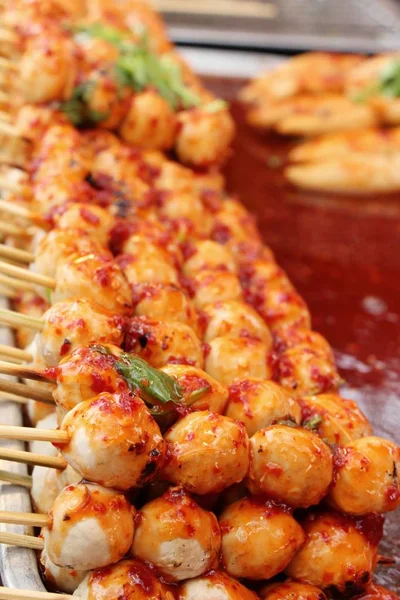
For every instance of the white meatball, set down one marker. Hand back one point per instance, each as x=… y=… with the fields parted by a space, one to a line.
x=200 y=390
x=61 y=578
x=258 y=539
x=114 y=441
x=128 y=579
x=232 y=317
x=95 y=277
x=206 y=254
x=150 y=122
x=160 y=342
x=289 y=465
x=204 y=137
x=365 y=478
x=229 y=358
x=38 y=411
x=95 y=221
x=90 y=527
x=215 y=586
x=73 y=323
x=206 y=453
x=49 y=422
x=46 y=485
x=58 y=244
x=259 y=404
x=178 y=537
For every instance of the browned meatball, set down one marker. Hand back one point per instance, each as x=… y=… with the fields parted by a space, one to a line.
x=206 y=453
x=339 y=552
x=291 y=590
x=258 y=539
x=289 y=465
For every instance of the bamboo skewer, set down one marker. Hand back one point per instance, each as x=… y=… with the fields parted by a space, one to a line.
x=11 y=594
x=11 y=229
x=26 y=391
x=30 y=434
x=226 y=8
x=23 y=518
x=5 y=116
x=14 y=319
x=9 y=397
x=8 y=36
x=16 y=478
x=7 y=292
x=26 y=275
x=9 y=130
x=16 y=284
x=31 y=458
x=21 y=540
x=22 y=211
x=15 y=353
x=15 y=254
x=23 y=371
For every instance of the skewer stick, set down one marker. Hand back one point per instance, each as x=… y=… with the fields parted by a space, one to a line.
x=16 y=284
x=11 y=229
x=22 y=211
x=25 y=275
x=8 y=396
x=23 y=541
x=11 y=594
x=26 y=391
x=31 y=458
x=10 y=317
x=15 y=253
x=8 y=36
x=30 y=434
x=22 y=371
x=8 y=64
x=15 y=353
x=5 y=116
x=16 y=478
x=7 y=292
x=23 y=518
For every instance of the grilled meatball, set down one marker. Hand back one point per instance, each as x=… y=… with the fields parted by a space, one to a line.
x=258 y=539
x=114 y=441
x=365 y=478
x=338 y=553
x=291 y=590
x=216 y=585
x=178 y=537
x=259 y=404
x=289 y=465
x=206 y=453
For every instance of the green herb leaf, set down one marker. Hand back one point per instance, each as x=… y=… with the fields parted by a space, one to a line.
x=154 y=384
x=77 y=109
x=215 y=106
x=197 y=394
x=48 y=291
x=103 y=32
x=313 y=423
x=390 y=80
x=288 y=422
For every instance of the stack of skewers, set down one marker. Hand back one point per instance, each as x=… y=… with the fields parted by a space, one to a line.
x=187 y=428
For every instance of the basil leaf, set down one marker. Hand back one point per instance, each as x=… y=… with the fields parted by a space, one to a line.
x=155 y=384
x=288 y=422
x=197 y=394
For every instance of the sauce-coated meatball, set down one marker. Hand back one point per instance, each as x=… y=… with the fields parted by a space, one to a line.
x=96 y=277
x=200 y=390
x=114 y=441
x=258 y=539
x=215 y=286
x=215 y=586
x=91 y=527
x=73 y=323
x=291 y=591
x=128 y=579
x=233 y=317
x=339 y=552
x=259 y=404
x=206 y=254
x=165 y=302
x=341 y=420
x=93 y=220
x=229 y=358
x=304 y=371
x=206 y=453
x=178 y=537
x=147 y=263
x=61 y=578
x=161 y=342
x=85 y=373
x=289 y=465
x=365 y=478
x=377 y=592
